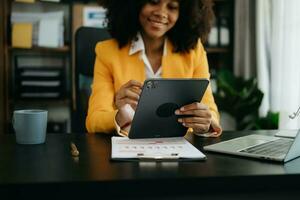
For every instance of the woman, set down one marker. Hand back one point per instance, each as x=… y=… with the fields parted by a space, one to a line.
x=151 y=38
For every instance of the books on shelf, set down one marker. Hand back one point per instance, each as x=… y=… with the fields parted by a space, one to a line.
x=213 y=38
x=219 y=35
x=47 y=28
x=50 y=33
x=224 y=32
x=22 y=35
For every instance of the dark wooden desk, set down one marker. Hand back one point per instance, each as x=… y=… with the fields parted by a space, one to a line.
x=50 y=170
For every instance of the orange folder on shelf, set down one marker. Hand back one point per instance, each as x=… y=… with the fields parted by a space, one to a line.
x=22 y=35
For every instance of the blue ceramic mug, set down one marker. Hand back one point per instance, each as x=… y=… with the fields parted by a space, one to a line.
x=30 y=126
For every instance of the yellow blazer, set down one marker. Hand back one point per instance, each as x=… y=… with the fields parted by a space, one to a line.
x=114 y=67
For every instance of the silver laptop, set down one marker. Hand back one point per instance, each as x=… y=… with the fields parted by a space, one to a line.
x=260 y=146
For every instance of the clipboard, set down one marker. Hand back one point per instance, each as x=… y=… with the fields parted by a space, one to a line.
x=154 y=149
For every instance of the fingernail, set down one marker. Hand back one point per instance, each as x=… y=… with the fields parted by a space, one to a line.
x=177 y=112
x=180 y=120
x=182 y=109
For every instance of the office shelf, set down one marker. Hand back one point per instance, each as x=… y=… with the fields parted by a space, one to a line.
x=38 y=77
x=64 y=49
x=217 y=50
x=220 y=53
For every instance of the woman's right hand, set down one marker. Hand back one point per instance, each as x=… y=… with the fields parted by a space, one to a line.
x=126 y=101
x=129 y=93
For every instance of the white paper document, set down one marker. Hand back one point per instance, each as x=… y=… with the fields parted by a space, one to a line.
x=49 y=33
x=124 y=148
x=48 y=27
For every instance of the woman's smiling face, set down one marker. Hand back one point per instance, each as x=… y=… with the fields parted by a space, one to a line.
x=157 y=17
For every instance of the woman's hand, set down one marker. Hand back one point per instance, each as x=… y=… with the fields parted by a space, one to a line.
x=199 y=117
x=129 y=93
x=126 y=101
x=124 y=118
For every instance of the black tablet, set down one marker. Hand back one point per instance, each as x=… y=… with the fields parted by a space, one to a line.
x=155 y=114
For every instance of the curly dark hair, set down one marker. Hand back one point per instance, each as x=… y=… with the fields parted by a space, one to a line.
x=194 y=22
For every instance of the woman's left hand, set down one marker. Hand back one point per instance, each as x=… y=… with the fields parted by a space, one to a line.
x=199 y=117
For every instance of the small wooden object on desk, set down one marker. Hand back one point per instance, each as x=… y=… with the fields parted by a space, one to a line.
x=74 y=150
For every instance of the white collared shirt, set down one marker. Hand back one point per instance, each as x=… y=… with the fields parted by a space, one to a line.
x=138 y=46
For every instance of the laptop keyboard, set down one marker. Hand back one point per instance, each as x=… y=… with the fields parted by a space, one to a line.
x=275 y=148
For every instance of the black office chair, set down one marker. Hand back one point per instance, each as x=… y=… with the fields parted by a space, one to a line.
x=85 y=42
